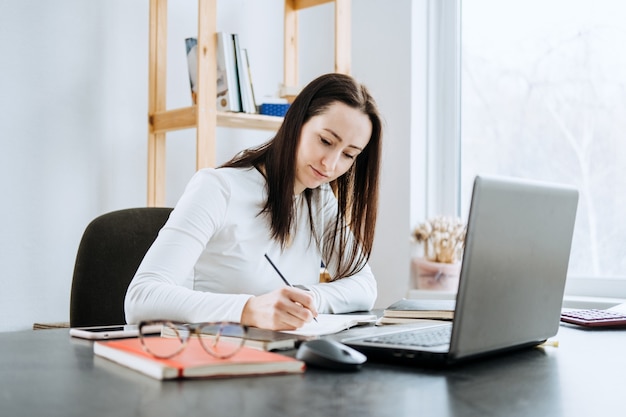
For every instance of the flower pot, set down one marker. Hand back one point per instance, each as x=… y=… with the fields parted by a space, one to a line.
x=427 y=275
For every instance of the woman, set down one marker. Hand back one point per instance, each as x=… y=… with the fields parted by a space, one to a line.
x=208 y=262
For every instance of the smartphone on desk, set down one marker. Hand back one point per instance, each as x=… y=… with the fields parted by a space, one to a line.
x=111 y=332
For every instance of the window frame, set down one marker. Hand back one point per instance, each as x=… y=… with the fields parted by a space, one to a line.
x=443 y=143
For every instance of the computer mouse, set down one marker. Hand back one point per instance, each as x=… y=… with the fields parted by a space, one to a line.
x=330 y=354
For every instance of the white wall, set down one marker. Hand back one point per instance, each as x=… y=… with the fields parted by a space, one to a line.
x=73 y=105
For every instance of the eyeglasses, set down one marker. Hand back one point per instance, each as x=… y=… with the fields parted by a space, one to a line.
x=221 y=340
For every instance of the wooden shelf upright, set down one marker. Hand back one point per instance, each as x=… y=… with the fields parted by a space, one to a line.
x=204 y=115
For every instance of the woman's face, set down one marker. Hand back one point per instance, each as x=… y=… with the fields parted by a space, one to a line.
x=329 y=145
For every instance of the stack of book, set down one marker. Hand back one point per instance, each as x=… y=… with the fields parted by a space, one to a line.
x=409 y=310
x=194 y=361
x=234 y=82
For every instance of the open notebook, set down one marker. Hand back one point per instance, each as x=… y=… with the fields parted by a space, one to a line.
x=332 y=323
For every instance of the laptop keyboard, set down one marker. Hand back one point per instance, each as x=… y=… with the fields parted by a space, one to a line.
x=435 y=337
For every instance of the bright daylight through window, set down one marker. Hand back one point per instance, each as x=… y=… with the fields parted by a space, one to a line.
x=544 y=97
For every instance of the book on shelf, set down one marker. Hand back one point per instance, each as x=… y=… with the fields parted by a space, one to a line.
x=250 y=83
x=228 y=97
x=248 y=104
x=227 y=83
x=191 y=49
x=256 y=338
x=194 y=361
x=409 y=308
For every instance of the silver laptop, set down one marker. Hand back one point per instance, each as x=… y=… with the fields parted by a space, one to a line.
x=517 y=249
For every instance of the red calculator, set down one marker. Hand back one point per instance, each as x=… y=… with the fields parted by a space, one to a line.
x=594 y=318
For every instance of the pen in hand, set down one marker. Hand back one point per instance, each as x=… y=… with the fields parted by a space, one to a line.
x=281 y=276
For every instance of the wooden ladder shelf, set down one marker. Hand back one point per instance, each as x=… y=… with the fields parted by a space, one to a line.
x=204 y=115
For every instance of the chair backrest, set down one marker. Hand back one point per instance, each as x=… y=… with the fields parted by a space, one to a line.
x=111 y=249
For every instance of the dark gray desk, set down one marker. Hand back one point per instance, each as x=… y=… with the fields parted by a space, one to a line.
x=47 y=373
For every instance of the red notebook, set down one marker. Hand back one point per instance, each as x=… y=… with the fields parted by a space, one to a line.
x=195 y=362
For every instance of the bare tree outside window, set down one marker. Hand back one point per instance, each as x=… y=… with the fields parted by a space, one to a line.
x=544 y=97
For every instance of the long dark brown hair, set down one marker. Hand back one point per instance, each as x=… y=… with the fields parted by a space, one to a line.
x=356 y=190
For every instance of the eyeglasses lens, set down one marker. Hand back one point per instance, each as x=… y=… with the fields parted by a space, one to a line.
x=165 y=347
x=222 y=339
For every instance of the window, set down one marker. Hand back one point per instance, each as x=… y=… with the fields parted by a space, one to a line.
x=542 y=95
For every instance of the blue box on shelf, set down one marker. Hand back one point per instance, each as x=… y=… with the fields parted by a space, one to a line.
x=274 y=109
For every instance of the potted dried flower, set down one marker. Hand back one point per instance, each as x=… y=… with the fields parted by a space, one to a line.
x=442 y=239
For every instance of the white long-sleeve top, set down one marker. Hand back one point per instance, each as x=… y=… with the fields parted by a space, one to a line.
x=208 y=259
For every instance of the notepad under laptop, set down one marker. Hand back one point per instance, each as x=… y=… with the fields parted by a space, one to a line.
x=512 y=279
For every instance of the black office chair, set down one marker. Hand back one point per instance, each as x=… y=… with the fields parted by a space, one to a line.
x=109 y=254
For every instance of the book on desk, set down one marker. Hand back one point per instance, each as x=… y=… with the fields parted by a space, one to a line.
x=408 y=310
x=194 y=361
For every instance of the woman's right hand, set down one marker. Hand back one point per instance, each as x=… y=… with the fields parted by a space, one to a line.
x=286 y=308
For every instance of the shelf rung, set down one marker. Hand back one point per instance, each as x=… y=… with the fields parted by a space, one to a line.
x=303 y=4
x=165 y=121
x=248 y=121
x=185 y=118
